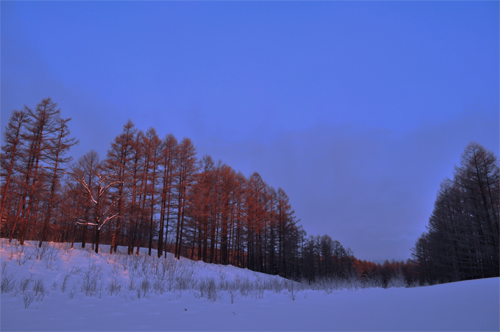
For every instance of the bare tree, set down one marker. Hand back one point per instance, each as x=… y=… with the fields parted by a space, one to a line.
x=187 y=168
x=137 y=156
x=42 y=126
x=103 y=203
x=86 y=169
x=117 y=162
x=11 y=151
x=154 y=147
x=56 y=148
x=169 y=163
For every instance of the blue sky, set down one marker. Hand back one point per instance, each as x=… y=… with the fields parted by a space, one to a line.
x=357 y=109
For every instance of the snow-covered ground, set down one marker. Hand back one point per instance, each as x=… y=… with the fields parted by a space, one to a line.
x=55 y=288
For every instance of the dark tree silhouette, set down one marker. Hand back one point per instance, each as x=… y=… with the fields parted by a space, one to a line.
x=462 y=238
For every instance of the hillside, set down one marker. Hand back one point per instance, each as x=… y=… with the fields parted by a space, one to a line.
x=57 y=288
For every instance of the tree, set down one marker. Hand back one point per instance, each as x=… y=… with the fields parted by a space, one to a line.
x=168 y=161
x=462 y=238
x=43 y=124
x=255 y=201
x=117 y=162
x=421 y=254
x=240 y=186
x=143 y=191
x=11 y=151
x=202 y=199
x=187 y=168
x=153 y=148
x=86 y=170
x=56 y=148
x=227 y=176
x=103 y=203
x=478 y=176
x=136 y=157
x=286 y=227
x=326 y=249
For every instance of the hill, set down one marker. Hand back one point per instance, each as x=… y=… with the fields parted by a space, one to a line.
x=57 y=288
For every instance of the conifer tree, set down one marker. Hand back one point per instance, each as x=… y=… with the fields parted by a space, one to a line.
x=187 y=168
x=117 y=162
x=56 y=148
x=11 y=154
x=168 y=161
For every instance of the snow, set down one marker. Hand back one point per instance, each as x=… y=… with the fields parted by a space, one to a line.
x=187 y=295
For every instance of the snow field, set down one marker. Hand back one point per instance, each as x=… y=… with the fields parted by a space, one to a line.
x=58 y=288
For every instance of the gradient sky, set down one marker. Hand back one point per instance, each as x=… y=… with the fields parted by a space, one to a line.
x=358 y=110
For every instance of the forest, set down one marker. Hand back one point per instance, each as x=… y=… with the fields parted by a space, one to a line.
x=155 y=193
x=461 y=241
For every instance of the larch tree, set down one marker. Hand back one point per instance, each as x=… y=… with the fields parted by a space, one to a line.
x=135 y=171
x=227 y=187
x=117 y=162
x=254 y=220
x=104 y=204
x=154 y=147
x=11 y=152
x=239 y=219
x=57 y=147
x=478 y=175
x=42 y=127
x=143 y=190
x=204 y=204
x=168 y=161
x=461 y=241
x=187 y=168
x=86 y=170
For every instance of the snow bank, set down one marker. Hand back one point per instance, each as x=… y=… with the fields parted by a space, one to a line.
x=79 y=290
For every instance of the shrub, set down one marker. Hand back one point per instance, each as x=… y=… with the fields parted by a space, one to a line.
x=28 y=299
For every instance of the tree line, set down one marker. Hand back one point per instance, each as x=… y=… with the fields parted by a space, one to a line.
x=462 y=237
x=155 y=193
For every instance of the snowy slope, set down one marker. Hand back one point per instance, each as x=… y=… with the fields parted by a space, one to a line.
x=79 y=290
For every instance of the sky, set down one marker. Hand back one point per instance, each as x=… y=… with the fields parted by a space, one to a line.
x=358 y=110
